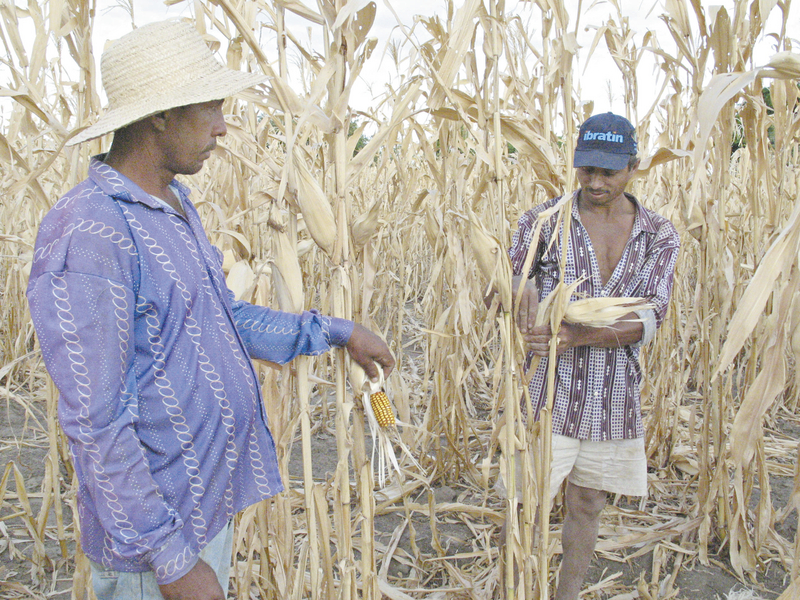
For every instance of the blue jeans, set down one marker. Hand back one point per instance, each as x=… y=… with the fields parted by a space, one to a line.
x=118 y=585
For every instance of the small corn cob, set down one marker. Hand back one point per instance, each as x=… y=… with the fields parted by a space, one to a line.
x=382 y=409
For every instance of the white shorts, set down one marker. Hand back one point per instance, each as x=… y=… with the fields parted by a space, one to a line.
x=615 y=466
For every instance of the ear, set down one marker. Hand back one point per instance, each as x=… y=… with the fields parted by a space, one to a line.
x=159 y=120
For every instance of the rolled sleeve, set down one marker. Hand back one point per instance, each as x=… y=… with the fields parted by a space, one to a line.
x=173 y=560
x=648 y=318
x=280 y=336
x=339 y=331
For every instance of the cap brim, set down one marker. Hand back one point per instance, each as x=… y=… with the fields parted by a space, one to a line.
x=601 y=160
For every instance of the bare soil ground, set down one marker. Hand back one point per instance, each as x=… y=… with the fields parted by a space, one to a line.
x=618 y=571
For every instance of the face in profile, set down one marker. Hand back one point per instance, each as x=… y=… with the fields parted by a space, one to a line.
x=190 y=135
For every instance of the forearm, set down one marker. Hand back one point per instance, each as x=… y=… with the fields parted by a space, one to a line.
x=624 y=333
x=279 y=336
x=200 y=583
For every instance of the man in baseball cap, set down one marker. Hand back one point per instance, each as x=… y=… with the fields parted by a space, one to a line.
x=148 y=348
x=606 y=141
x=617 y=247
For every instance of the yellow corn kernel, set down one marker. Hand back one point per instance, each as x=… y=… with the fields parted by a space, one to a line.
x=382 y=409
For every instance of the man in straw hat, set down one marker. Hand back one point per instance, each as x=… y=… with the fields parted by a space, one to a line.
x=147 y=346
x=617 y=248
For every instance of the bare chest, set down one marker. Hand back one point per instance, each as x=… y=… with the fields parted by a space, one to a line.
x=609 y=239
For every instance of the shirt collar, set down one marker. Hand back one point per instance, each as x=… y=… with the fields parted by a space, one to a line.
x=642 y=223
x=116 y=185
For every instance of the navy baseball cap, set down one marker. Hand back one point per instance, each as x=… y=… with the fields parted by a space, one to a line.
x=606 y=141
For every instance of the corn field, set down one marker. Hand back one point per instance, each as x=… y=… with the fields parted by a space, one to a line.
x=405 y=234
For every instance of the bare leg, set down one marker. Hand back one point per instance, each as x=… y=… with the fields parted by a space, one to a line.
x=578 y=538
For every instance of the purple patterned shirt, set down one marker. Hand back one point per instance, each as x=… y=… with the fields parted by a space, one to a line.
x=150 y=353
x=597 y=389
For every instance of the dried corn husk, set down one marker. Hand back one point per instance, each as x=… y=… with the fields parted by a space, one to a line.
x=604 y=312
x=314 y=205
x=383 y=428
x=492 y=260
x=365 y=226
x=289 y=277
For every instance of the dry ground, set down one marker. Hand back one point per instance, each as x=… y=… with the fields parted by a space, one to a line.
x=614 y=573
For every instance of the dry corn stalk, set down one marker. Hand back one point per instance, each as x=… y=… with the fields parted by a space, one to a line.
x=287 y=276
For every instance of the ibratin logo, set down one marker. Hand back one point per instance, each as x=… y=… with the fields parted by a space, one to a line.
x=605 y=137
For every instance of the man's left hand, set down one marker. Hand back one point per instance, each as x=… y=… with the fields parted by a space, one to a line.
x=569 y=336
x=366 y=349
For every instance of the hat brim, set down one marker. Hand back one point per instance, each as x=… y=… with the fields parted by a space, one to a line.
x=221 y=85
x=601 y=160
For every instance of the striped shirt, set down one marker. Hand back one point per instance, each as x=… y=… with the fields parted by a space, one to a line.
x=597 y=393
x=151 y=355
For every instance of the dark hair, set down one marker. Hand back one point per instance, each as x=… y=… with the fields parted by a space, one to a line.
x=632 y=161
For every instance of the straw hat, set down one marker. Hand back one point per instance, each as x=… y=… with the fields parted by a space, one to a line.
x=160 y=66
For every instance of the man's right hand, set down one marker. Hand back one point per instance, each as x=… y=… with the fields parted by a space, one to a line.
x=200 y=583
x=528 y=303
x=367 y=348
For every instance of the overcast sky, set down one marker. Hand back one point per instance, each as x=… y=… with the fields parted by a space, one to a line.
x=599 y=81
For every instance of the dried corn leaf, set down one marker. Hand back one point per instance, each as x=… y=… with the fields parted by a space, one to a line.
x=241 y=280
x=302 y=10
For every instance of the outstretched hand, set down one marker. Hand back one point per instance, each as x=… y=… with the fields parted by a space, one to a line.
x=366 y=349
